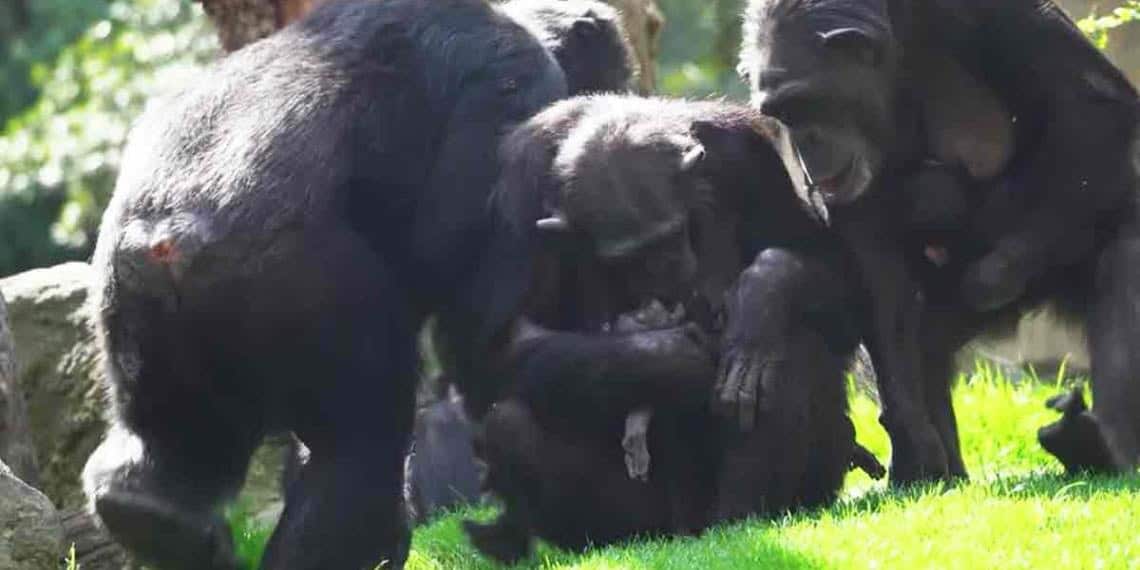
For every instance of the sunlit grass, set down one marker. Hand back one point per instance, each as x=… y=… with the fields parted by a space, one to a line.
x=1018 y=511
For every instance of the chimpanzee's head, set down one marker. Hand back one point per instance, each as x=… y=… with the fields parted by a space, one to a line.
x=628 y=183
x=632 y=176
x=826 y=70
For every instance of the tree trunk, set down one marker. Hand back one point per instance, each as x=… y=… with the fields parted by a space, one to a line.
x=240 y=22
x=643 y=23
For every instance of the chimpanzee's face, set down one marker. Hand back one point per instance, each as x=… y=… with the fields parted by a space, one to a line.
x=629 y=190
x=664 y=268
x=832 y=92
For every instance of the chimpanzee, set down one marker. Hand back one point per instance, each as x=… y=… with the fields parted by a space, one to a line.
x=589 y=44
x=634 y=205
x=586 y=38
x=1011 y=91
x=278 y=234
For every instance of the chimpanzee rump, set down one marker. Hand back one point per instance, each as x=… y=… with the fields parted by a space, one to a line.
x=629 y=200
x=278 y=233
x=1011 y=92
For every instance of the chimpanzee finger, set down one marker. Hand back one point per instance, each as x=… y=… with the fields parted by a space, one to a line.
x=722 y=371
x=731 y=389
x=749 y=396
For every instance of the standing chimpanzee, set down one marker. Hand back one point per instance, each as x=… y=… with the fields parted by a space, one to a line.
x=1010 y=92
x=633 y=205
x=278 y=233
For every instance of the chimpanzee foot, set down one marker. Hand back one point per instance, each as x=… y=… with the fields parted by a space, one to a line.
x=864 y=460
x=161 y=535
x=500 y=542
x=1076 y=439
x=918 y=457
x=635 y=441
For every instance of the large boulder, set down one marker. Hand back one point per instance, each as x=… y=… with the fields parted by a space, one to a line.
x=31 y=536
x=16 y=447
x=58 y=374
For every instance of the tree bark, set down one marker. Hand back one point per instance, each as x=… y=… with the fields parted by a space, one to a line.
x=643 y=22
x=240 y=22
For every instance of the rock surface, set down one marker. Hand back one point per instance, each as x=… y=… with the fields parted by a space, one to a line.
x=31 y=536
x=16 y=447
x=59 y=373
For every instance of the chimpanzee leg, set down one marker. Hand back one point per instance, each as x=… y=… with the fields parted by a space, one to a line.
x=159 y=498
x=353 y=410
x=510 y=443
x=1114 y=334
x=939 y=346
x=187 y=423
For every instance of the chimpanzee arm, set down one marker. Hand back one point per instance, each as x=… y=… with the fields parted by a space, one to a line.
x=609 y=374
x=1079 y=114
x=782 y=290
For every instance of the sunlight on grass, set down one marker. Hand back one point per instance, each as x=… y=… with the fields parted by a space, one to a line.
x=1018 y=511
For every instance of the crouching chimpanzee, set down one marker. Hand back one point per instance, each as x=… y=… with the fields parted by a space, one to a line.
x=278 y=234
x=1011 y=94
x=634 y=205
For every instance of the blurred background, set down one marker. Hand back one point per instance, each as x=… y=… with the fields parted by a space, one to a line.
x=73 y=74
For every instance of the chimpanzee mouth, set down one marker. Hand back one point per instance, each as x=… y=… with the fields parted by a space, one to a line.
x=832 y=187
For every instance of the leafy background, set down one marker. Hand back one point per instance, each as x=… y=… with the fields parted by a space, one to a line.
x=76 y=72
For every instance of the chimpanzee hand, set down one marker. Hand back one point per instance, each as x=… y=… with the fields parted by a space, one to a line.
x=992 y=282
x=652 y=316
x=754 y=329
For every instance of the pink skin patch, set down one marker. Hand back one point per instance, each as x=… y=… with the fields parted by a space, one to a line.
x=164 y=252
x=937 y=255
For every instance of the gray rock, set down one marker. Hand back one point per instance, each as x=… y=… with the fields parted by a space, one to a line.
x=59 y=373
x=16 y=447
x=31 y=536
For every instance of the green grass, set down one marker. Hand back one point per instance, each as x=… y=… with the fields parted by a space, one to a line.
x=1018 y=511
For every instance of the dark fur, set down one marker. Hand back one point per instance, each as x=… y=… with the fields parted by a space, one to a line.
x=589 y=44
x=278 y=233
x=585 y=37
x=553 y=448
x=1057 y=216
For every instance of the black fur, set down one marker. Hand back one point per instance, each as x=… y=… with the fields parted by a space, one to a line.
x=587 y=40
x=618 y=170
x=278 y=233
x=1012 y=93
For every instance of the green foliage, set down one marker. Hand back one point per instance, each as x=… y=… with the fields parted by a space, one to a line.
x=250 y=536
x=67 y=146
x=698 y=48
x=32 y=32
x=1097 y=27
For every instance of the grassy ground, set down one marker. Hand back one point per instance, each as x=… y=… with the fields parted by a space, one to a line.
x=1017 y=512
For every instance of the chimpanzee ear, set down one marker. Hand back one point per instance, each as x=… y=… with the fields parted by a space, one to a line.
x=554 y=224
x=585 y=27
x=726 y=141
x=693 y=157
x=855 y=44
